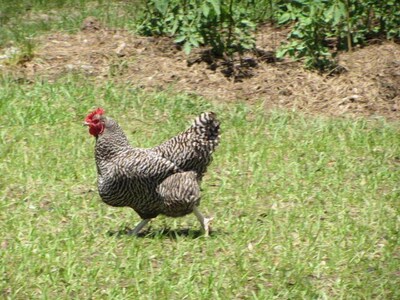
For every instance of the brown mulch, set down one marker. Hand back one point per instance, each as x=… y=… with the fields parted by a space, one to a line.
x=369 y=87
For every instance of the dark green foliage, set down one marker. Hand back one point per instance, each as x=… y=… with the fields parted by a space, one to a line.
x=307 y=36
x=321 y=28
x=226 y=26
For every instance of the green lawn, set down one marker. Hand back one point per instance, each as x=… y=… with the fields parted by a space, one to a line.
x=304 y=207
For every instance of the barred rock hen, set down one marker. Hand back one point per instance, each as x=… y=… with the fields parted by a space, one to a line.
x=160 y=180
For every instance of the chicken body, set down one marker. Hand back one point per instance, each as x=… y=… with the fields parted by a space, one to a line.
x=160 y=180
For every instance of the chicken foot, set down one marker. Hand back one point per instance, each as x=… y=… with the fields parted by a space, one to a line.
x=205 y=222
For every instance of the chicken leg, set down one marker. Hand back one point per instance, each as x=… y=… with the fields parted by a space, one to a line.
x=205 y=222
x=136 y=230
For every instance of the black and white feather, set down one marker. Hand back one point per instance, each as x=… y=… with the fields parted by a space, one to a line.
x=160 y=180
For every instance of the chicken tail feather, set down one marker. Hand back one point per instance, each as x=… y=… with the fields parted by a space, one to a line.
x=207 y=127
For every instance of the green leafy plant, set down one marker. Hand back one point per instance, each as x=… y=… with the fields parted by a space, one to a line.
x=307 y=36
x=322 y=28
x=223 y=25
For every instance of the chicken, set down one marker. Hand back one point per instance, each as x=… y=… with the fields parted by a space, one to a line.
x=161 y=180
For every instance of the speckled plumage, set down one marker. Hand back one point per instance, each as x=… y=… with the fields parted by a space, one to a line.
x=160 y=180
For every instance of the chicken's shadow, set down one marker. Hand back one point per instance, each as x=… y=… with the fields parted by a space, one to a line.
x=166 y=233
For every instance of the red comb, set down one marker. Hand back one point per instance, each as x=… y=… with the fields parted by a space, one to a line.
x=98 y=111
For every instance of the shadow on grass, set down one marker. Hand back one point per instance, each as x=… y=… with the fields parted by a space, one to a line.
x=165 y=233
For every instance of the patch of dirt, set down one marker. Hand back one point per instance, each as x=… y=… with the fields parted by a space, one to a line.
x=370 y=86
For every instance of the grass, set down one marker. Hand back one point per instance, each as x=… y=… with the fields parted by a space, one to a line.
x=21 y=21
x=305 y=207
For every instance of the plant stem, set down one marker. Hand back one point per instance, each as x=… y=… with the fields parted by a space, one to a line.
x=230 y=28
x=349 y=44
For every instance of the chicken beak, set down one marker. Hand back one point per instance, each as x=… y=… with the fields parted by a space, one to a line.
x=85 y=124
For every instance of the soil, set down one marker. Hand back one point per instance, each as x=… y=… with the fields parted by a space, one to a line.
x=369 y=84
